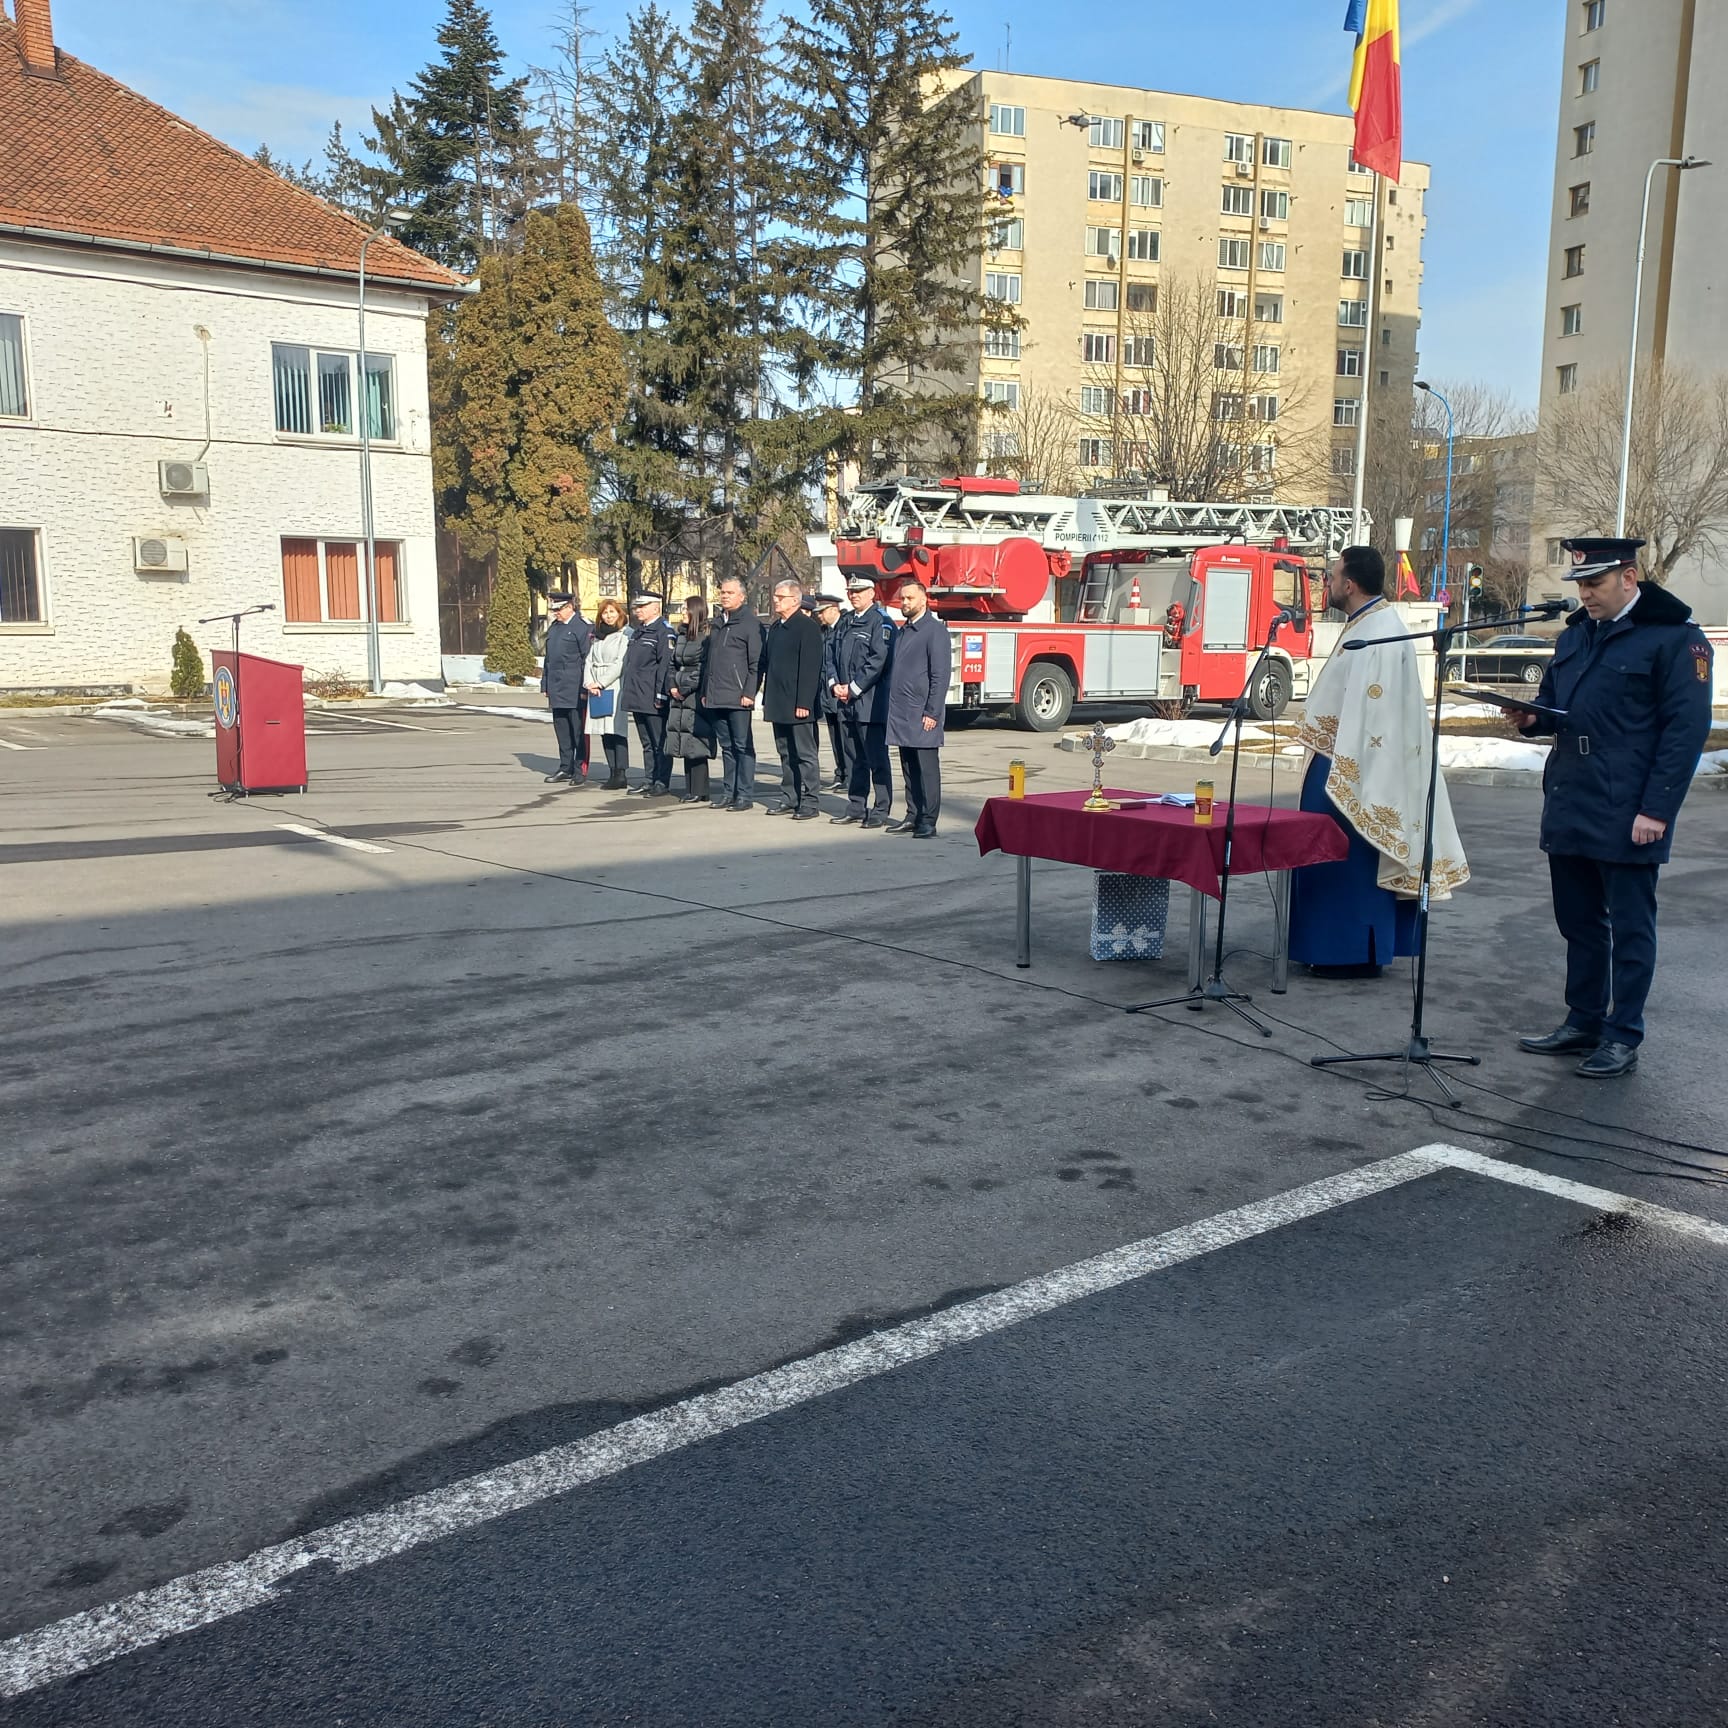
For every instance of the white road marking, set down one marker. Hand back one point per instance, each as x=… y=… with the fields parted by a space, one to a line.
x=83 y=1641
x=394 y=725
x=332 y=839
x=7 y=744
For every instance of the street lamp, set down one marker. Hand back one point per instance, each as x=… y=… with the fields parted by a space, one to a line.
x=392 y=218
x=1446 y=519
x=1682 y=163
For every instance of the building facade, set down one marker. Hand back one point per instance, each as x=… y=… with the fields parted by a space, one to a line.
x=1640 y=80
x=180 y=392
x=1161 y=250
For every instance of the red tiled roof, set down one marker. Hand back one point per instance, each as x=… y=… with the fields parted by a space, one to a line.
x=85 y=156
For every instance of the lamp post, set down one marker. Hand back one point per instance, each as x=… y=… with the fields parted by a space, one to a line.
x=393 y=218
x=1446 y=519
x=1681 y=163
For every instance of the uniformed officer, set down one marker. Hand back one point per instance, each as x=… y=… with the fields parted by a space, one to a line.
x=826 y=610
x=1631 y=675
x=859 y=665
x=567 y=642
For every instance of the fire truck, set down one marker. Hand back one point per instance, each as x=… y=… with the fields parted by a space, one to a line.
x=1054 y=600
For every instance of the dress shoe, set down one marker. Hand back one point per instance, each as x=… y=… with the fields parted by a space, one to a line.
x=837 y=784
x=1610 y=1061
x=873 y=821
x=843 y=821
x=691 y=798
x=778 y=809
x=1564 y=1040
x=738 y=805
x=901 y=827
x=616 y=784
x=809 y=815
x=923 y=833
x=551 y=778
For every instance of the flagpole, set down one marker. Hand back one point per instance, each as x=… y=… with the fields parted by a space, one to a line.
x=1358 y=532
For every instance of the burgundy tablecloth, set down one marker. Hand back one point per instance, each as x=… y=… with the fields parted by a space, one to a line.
x=1160 y=841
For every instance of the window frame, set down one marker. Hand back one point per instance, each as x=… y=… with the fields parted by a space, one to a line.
x=1007 y=291
x=1572 y=262
x=1590 y=77
x=1145 y=245
x=1349 y=363
x=1578 y=200
x=1146 y=183
x=1096 y=401
x=28 y=415
x=1268 y=359
x=1013 y=110
x=1001 y=343
x=1103 y=186
x=1239 y=147
x=1001 y=393
x=1365 y=206
x=323 y=542
x=1346 y=410
x=1583 y=140
x=1235 y=199
x=1007 y=234
x=1112 y=243
x=1274 y=204
x=1227 y=247
x=1572 y=319
x=1273 y=256
x=1276 y=152
x=1097 y=453
x=43 y=623
x=1101 y=294
x=1103 y=132
x=1262 y=302
x=1098 y=347
x=1010 y=179
x=1352 y=314
x=1147 y=135
x=1132 y=354
x=378 y=361
x=1595 y=14
x=1354 y=265
x=1567 y=379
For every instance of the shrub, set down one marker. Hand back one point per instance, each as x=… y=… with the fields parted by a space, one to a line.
x=187 y=678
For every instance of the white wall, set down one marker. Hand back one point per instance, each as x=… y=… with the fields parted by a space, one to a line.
x=116 y=373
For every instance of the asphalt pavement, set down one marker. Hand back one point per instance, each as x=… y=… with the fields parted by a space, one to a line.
x=336 y=1178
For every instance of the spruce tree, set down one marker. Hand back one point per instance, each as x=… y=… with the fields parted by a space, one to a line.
x=187 y=677
x=891 y=202
x=508 y=649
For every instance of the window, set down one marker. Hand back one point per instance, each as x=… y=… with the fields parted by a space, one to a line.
x=1275 y=206
x=1392 y=195
x=1358 y=212
x=1263 y=458
x=14 y=388
x=1589 y=77
x=1148 y=135
x=1263 y=407
x=1593 y=14
x=1574 y=261
x=1467 y=538
x=1385 y=377
x=1008 y=236
x=1271 y=254
x=1349 y=362
x=1102 y=295
x=1353 y=314
x=1095 y=453
x=1227 y=405
x=1142 y=296
x=1239 y=147
x=1104 y=188
x=1385 y=338
x=321 y=582
x=1580 y=199
x=1226 y=455
x=1137 y=402
x=1275 y=152
x=314 y=393
x=1572 y=320
x=1104 y=134
x=1003 y=285
x=1391 y=242
x=1345 y=410
x=1344 y=459
x=1386 y=288
x=1143 y=245
x=1001 y=393
x=1098 y=348
x=1010 y=179
x=1557 y=553
x=20 y=579
x=1430 y=539
x=1355 y=266
x=1146 y=191
x=1008 y=122
x=999 y=444
x=1226 y=357
x=1435 y=502
x=1568 y=379
x=1356 y=167
x=1103 y=242
x=1584 y=138
x=1094 y=401
x=1232 y=303
x=1268 y=308
x=1002 y=344
x=1237 y=200
x=1138 y=351
x=1268 y=357
x=1232 y=254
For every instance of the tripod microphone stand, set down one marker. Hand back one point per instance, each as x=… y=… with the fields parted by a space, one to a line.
x=1418 y=1052
x=1214 y=989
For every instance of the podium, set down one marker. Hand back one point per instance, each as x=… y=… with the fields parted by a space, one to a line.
x=260 y=723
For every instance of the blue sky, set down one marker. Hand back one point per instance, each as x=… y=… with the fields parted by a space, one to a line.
x=1481 y=93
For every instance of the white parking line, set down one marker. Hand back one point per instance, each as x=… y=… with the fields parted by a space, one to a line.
x=84 y=1641
x=394 y=725
x=332 y=839
x=7 y=744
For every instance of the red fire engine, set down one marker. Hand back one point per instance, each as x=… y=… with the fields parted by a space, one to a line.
x=1054 y=600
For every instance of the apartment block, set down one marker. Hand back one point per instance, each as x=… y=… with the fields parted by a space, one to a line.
x=1108 y=200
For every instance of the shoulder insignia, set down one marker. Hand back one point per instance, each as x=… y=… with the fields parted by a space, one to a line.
x=1701 y=661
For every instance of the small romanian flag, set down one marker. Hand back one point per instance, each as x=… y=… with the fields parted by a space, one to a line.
x=1376 y=96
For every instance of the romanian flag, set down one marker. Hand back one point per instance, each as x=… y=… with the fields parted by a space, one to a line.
x=1408 y=587
x=1376 y=96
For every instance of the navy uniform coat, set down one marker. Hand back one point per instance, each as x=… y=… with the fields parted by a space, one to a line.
x=861 y=655
x=647 y=663
x=923 y=665
x=565 y=660
x=1637 y=698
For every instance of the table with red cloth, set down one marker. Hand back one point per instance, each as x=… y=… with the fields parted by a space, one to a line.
x=1159 y=840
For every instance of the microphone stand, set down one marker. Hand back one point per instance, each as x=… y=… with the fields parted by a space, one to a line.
x=1214 y=989
x=1418 y=1052
x=233 y=794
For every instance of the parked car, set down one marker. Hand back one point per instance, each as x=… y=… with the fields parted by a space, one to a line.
x=1504 y=660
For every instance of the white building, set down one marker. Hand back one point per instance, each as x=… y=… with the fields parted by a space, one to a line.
x=178 y=397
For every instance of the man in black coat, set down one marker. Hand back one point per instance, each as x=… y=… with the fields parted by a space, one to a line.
x=826 y=609
x=642 y=688
x=731 y=678
x=567 y=644
x=1631 y=676
x=860 y=659
x=917 y=707
x=792 y=697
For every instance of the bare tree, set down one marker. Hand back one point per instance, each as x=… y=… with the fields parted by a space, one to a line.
x=565 y=98
x=1677 y=494
x=1033 y=442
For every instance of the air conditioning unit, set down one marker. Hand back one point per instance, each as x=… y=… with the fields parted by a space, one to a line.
x=1139 y=155
x=158 y=555
x=1265 y=224
x=182 y=479
x=1245 y=169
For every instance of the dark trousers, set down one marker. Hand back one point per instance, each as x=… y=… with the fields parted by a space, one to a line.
x=800 y=763
x=921 y=770
x=737 y=754
x=696 y=776
x=567 y=725
x=836 y=745
x=866 y=766
x=651 y=735
x=617 y=748
x=1607 y=913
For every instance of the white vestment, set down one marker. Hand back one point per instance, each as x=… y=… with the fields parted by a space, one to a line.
x=1366 y=712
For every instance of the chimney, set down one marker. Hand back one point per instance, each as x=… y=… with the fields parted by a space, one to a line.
x=35 y=37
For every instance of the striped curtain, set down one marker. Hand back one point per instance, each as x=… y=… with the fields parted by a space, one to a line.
x=342 y=578
x=389 y=583
x=293 y=372
x=20 y=592
x=14 y=396
x=380 y=403
x=300 y=602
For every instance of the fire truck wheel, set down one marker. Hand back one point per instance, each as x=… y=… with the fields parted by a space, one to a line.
x=1046 y=697
x=1271 y=693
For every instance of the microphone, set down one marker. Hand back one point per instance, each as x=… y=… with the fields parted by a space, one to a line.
x=1550 y=608
x=1288 y=615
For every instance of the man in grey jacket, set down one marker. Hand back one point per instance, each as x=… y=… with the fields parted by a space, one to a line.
x=917 y=707
x=732 y=674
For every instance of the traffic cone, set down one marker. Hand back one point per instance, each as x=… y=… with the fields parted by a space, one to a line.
x=1134 y=595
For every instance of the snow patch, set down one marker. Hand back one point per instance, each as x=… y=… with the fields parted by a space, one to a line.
x=505 y=713
x=1181 y=734
x=1492 y=753
x=417 y=693
x=1712 y=762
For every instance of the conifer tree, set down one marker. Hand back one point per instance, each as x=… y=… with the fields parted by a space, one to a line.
x=508 y=649
x=891 y=201
x=187 y=678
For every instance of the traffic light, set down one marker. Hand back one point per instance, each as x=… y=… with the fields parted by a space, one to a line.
x=1473 y=576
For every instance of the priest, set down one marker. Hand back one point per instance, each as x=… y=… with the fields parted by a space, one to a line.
x=1366 y=722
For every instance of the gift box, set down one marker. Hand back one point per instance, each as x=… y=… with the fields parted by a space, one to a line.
x=1128 y=916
